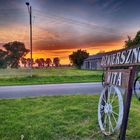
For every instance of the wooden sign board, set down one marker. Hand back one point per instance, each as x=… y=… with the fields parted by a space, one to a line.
x=123 y=78
x=123 y=57
x=118 y=77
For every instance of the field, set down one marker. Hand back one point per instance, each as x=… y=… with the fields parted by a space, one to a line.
x=47 y=75
x=58 y=118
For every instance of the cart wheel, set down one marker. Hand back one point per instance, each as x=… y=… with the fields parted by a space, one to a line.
x=110 y=110
x=103 y=79
x=137 y=88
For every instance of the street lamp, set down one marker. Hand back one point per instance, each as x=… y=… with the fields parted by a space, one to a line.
x=30 y=15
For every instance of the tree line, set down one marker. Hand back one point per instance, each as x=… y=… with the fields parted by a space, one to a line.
x=13 y=54
x=40 y=62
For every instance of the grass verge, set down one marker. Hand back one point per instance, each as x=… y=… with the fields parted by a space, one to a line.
x=48 y=80
x=71 y=117
x=46 y=76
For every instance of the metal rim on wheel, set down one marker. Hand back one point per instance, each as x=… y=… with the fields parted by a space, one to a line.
x=137 y=88
x=110 y=110
x=103 y=79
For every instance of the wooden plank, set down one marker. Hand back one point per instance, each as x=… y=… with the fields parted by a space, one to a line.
x=127 y=103
x=117 y=77
x=124 y=57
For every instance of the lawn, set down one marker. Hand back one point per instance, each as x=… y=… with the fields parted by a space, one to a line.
x=47 y=75
x=71 y=117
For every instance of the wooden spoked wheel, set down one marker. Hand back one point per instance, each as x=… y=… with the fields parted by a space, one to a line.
x=137 y=88
x=103 y=79
x=110 y=110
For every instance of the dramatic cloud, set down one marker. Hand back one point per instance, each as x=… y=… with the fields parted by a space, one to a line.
x=63 y=26
x=79 y=42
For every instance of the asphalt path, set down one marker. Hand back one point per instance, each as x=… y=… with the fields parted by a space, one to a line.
x=49 y=89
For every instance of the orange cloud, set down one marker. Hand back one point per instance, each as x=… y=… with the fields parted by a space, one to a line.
x=51 y=43
x=64 y=53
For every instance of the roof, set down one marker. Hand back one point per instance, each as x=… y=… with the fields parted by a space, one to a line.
x=96 y=56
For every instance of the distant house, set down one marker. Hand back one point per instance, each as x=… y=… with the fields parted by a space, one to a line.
x=93 y=62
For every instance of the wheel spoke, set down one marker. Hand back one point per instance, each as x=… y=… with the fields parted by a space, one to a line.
x=102 y=109
x=110 y=123
x=105 y=121
x=114 y=118
x=113 y=96
x=115 y=106
x=115 y=113
x=113 y=99
x=102 y=114
x=104 y=100
x=109 y=92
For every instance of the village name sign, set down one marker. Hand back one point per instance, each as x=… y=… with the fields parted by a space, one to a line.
x=124 y=57
x=120 y=72
x=117 y=77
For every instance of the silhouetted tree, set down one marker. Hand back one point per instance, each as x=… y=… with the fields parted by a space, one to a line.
x=132 y=42
x=3 y=63
x=42 y=61
x=129 y=42
x=24 y=61
x=77 y=58
x=28 y=60
x=56 y=61
x=48 y=62
x=15 y=51
x=37 y=61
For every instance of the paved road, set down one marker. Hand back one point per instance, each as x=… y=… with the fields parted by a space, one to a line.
x=49 y=89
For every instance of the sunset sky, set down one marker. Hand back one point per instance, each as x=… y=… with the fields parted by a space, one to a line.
x=63 y=26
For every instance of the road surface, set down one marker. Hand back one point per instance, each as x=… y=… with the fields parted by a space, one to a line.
x=49 y=89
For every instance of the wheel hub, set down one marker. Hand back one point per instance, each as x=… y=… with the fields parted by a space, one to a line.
x=108 y=108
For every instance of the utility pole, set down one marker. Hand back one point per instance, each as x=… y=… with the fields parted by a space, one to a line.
x=30 y=15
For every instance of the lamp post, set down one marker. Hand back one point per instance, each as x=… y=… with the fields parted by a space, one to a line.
x=30 y=15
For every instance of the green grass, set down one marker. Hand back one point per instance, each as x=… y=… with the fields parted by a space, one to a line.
x=71 y=117
x=45 y=76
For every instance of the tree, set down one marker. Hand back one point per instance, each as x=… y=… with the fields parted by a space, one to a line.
x=28 y=61
x=56 y=61
x=48 y=62
x=77 y=58
x=15 y=52
x=24 y=61
x=132 y=42
x=129 y=42
x=3 y=63
x=42 y=62
x=37 y=61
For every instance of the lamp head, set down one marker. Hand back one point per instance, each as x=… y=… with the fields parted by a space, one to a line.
x=27 y=3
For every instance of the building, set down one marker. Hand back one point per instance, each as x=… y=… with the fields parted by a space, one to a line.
x=93 y=62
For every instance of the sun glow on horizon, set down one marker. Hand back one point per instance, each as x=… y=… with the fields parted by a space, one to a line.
x=64 y=54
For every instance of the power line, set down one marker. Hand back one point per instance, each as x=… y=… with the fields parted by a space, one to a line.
x=72 y=21
x=59 y=20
